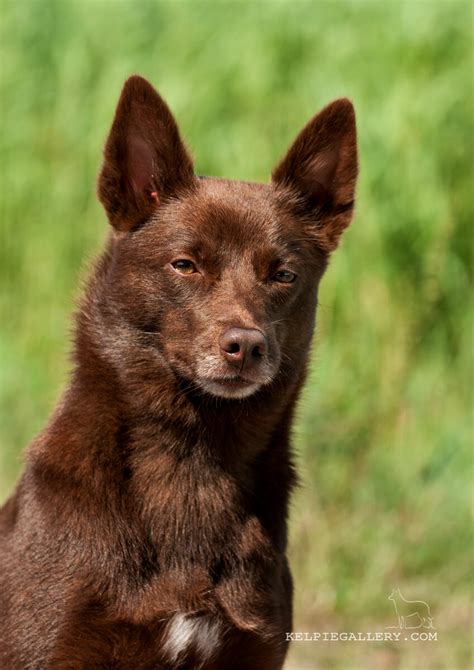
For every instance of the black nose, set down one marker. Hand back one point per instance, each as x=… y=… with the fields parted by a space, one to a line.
x=243 y=347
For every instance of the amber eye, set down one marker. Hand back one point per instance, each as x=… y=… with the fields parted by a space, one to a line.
x=284 y=276
x=184 y=267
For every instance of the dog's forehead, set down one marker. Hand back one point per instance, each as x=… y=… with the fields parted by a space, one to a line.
x=224 y=212
x=233 y=191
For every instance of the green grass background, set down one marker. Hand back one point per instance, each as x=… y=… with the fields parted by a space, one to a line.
x=385 y=423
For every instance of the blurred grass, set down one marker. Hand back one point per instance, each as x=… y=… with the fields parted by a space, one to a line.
x=385 y=425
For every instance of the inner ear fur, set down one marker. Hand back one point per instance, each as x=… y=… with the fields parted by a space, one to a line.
x=145 y=160
x=318 y=175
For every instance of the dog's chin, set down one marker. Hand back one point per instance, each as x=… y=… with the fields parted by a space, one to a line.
x=231 y=388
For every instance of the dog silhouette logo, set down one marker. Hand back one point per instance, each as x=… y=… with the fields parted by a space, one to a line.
x=411 y=613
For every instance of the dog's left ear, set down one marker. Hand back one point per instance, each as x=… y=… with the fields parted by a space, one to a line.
x=319 y=173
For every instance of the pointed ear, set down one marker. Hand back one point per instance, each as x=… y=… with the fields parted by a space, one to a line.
x=319 y=172
x=145 y=160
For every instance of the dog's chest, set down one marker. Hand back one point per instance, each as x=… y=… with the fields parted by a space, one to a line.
x=200 y=635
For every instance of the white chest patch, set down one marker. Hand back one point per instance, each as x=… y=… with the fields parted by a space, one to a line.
x=200 y=632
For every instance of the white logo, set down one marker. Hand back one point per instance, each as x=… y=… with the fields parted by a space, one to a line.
x=410 y=613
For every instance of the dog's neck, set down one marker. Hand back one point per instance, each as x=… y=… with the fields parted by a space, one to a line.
x=103 y=412
x=167 y=452
x=167 y=411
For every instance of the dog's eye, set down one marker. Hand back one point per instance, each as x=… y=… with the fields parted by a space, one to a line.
x=184 y=267
x=284 y=276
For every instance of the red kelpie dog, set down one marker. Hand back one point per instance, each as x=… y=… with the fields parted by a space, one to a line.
x=149 y=528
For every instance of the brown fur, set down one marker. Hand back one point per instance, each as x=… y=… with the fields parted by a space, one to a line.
x=150 y=493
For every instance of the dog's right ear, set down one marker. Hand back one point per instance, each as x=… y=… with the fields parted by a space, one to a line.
x=145 y=160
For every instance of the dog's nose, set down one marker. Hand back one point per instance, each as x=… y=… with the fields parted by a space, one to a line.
x=243 y=347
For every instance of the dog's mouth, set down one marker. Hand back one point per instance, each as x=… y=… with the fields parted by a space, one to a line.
x=230 y=387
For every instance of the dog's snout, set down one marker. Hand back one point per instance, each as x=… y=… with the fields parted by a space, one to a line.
x=243 y=347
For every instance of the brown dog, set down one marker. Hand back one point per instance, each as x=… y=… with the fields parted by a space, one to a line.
x=149 y=528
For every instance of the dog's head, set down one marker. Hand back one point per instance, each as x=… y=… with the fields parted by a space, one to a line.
x=216 y=279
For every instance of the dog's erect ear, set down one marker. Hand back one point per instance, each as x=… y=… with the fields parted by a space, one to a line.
x=145 y=160
x=320 y=170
